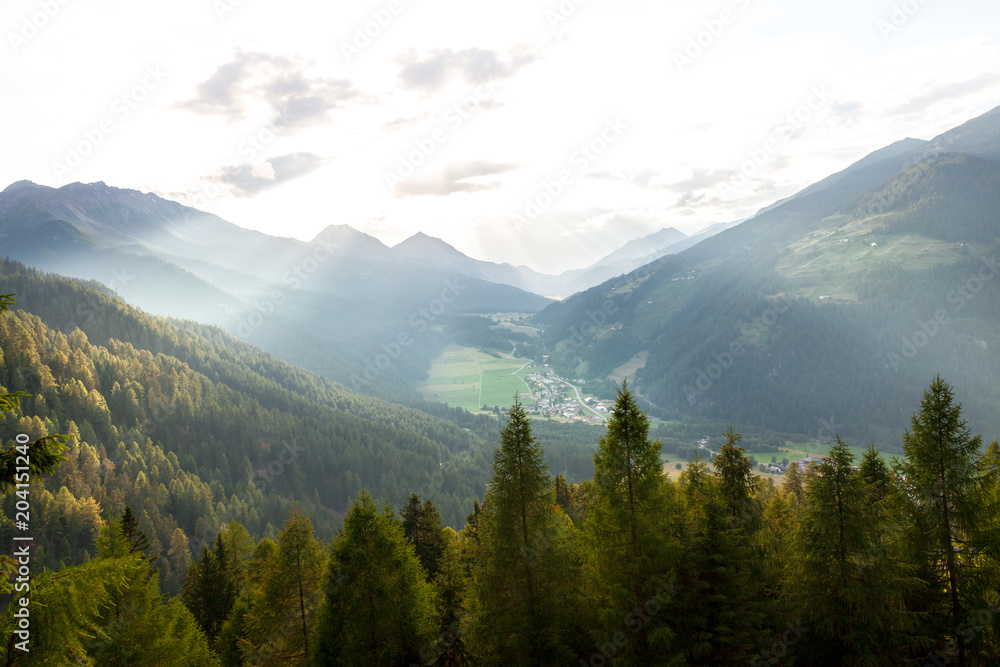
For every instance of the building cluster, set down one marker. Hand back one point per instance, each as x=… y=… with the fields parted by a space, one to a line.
x=552 y=398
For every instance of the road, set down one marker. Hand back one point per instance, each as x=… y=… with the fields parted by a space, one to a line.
x=579 y=399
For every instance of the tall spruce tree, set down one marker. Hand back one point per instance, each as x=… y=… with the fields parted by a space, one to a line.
x=946 y=486
x=523 y=571
x=210 y=589
x=377 y=607
x=847 y=596
x=628 y=550
x=737 y=483
x=422 y=527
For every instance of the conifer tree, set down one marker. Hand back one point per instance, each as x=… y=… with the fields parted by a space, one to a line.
x=522 y=577
x=377 y=607
x=737 y=483
x=628 y=552
x=847 y=596
x=451 y=585
x=792 y=486
x=946 y=486
x=422 y=527
x=285 y=593
x=137 y=539
x=210 y=589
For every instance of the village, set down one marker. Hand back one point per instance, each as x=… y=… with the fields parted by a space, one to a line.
x=552 y=396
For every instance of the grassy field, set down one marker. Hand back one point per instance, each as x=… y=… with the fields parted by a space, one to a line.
x=832 y=263
x=467 y=378
x=629 y=368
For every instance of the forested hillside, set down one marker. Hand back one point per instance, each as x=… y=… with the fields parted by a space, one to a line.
x=849 y=562
x=193 y=428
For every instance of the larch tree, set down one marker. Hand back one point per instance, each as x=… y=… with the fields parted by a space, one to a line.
x=946 y=486
x=282 y=606
x=847 y=594
x=524 y=567
x=628 y=551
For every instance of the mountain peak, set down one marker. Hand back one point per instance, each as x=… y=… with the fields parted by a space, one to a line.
x=21 y=185
x=347 y=235
x=421 y=242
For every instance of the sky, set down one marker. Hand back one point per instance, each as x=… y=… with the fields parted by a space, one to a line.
x=536 y=132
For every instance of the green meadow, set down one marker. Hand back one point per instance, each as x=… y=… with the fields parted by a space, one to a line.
x=468 y=378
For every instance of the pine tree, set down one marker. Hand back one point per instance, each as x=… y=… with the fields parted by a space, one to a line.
x=737 y=483
x=451 y=584
x=718 y=613
x=522 y=574
x=848 y=594
x=946 y=487
x=210 y=589
x=422 y=527
x=137 y=539
x=628 y=552
x=376 y=604
x=285 y=593
x=792 y=486
x=876 y=475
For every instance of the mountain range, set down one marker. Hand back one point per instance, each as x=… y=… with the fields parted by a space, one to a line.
x=842 y=300
x=825 y=313
x=331 y=304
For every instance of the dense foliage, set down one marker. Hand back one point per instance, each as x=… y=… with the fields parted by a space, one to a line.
x=849 y=563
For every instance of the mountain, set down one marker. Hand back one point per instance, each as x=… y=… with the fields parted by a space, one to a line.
x=331 y=305
x=843 y=300
x=640 y=248
x=435 y=252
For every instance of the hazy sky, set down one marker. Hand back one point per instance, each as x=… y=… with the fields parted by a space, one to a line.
x=535 y=132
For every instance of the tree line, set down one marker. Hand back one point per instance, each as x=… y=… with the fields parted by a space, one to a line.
x=849 y=562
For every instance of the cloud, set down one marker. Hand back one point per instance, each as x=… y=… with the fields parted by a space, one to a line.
x=458 y=177
x=246 y=180
x=432 y=73
x=296 y=98
x=652 y=179
x=403 y=122
x=947 y=91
